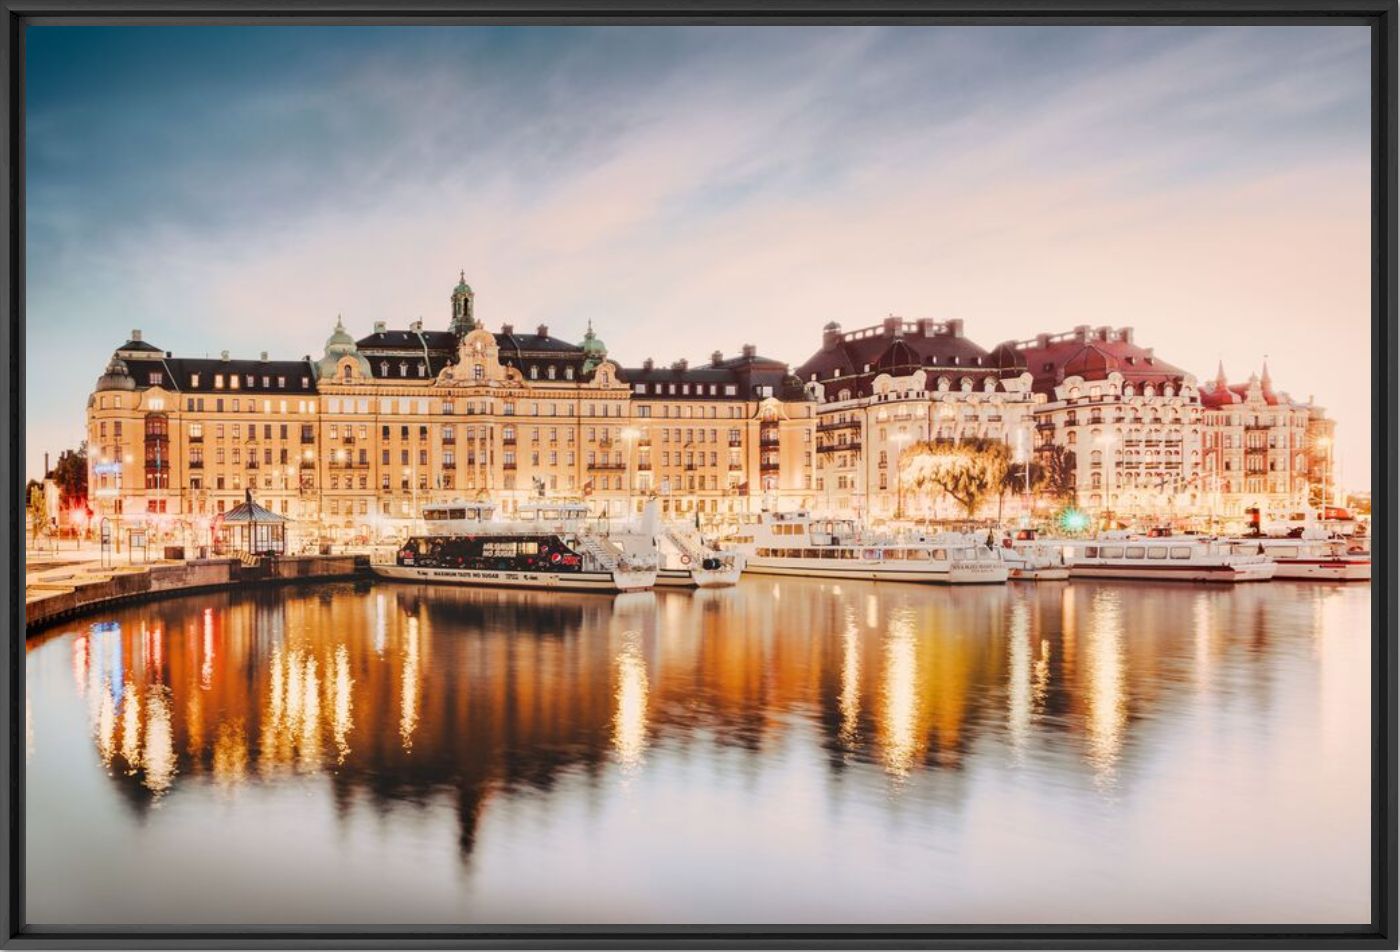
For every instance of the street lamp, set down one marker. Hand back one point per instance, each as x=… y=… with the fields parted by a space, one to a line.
x=900 y=440
x=1326 y=443
x=629 y=436
x=1107 y=443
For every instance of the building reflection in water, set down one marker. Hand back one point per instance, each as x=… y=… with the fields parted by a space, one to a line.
x=491 y=692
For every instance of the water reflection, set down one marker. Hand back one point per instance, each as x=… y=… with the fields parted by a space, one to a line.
x=480 y=700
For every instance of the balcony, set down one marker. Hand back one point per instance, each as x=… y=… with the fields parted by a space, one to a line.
x=644 y=466
x=308 y=438
x=196 y=439
x=736 y=444
x=768 y=466
x=196 y=464
x=609 y=467
x=308 y=464
x=449 y=465
x=837 y=425
x=348 y=440
x=839 y=447
x=253 y=464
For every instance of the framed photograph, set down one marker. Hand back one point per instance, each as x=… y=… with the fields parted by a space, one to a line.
x=704 y=475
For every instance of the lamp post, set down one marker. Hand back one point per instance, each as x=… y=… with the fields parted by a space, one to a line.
x=1326 y=443
x=1107 y=443
x=900 y=440
x=630 y=435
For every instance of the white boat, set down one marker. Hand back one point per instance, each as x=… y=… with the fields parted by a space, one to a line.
x=548 y=546
x=1311 y=559
x=1164 y=559
x=687 y=562
x=789 y=543
x=1030 y=560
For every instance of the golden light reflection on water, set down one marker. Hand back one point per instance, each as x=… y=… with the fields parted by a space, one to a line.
x=850 y=685
x=630 y=714
x=900 y=698
x=1106 y=699
x=904 y=680
x=1018 y=687
x=408 y=715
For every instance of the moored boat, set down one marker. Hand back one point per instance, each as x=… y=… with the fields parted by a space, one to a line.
x=1164 y=559
x=791 y=544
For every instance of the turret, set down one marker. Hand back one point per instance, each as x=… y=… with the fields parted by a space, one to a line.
x=338 y=345
x=463 y=311
x=594 y=350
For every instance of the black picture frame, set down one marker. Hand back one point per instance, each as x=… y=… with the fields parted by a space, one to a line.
x=1379 y=15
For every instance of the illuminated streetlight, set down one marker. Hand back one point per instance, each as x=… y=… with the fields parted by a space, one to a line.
x=900 y=440
x=629 y=436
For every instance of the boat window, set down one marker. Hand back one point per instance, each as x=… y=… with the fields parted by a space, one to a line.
x=457 y=514
x=1181 y=552
x=1092 y=552
x=1112 y=552
x=1156 y=552
x=527 y=515
x=549 y=513
x=871 y=555
x=938 y=554
x=433 y=515
x=1135 y=552
x=529 y=548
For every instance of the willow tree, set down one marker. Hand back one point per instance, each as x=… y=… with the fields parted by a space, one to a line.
x=969 y=471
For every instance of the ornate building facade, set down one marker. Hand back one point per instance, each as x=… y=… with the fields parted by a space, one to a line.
x=1132 y=420
x=355 y=442
x=1261 y=448
x=881 y=389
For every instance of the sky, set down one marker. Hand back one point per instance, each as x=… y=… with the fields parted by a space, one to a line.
x=697 y=188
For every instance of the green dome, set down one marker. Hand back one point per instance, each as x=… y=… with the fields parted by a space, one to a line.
x=592 y=344
x=338 y=345
x=462 y=286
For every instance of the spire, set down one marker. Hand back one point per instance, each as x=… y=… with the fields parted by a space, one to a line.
x=1266 y=380
x=463 y=318
x=1220 y=381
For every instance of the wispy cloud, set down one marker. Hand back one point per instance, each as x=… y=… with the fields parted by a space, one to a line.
x=697 y=188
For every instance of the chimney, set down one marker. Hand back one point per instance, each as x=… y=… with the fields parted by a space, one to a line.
x=136 y=334
x=954 y=328
x=648 y=364
x=1105 y=333
x=263 y=356
x=542 y=330
x=1081 y=333
x=716 y=359
x=1125 y=334
x=380 y=327
x=224 y=354
x=167 y=353
x=926 y=327
x=681 y=364
x=750 y=350
x=507 y=329
x=892 y=325
x=831 y=335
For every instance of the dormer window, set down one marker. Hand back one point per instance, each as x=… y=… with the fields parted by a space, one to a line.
x=549 y=372
x=218 y=381
x=233 y=381
x=403 y=368
x=267 y=382
x=568 y=373
x=155 y=378
x=345 y=373
x=194 y=380
x=479 y=372
x=384 y=368
x=534 y=373
x=422 y=370
x=250 y=380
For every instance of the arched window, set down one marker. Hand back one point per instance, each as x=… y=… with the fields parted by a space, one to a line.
x=478 y=372
x=345 y=372
x=549 y=372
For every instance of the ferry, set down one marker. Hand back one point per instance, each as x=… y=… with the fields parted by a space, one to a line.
x=548 y=546
x=789 y=543
x=1030 y=560
x=1164 y=558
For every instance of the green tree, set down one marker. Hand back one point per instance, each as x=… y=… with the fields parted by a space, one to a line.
x=1056 y=466
x=70 y=473
x=969 y=471
x=38 y=511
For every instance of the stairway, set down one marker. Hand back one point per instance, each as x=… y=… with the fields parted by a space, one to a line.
x=603 y=553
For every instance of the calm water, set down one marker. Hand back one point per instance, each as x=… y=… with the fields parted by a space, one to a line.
x=786 y=751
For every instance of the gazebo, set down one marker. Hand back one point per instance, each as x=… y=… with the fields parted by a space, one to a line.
x=250 y=529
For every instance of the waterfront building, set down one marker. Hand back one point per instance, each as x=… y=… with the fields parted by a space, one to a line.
x=706 y=438
x=1132 y=420
x=1261 y=448
x=355 y=442
x=880 y=389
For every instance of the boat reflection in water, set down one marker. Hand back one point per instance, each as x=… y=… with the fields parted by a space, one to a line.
x=785 y=750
